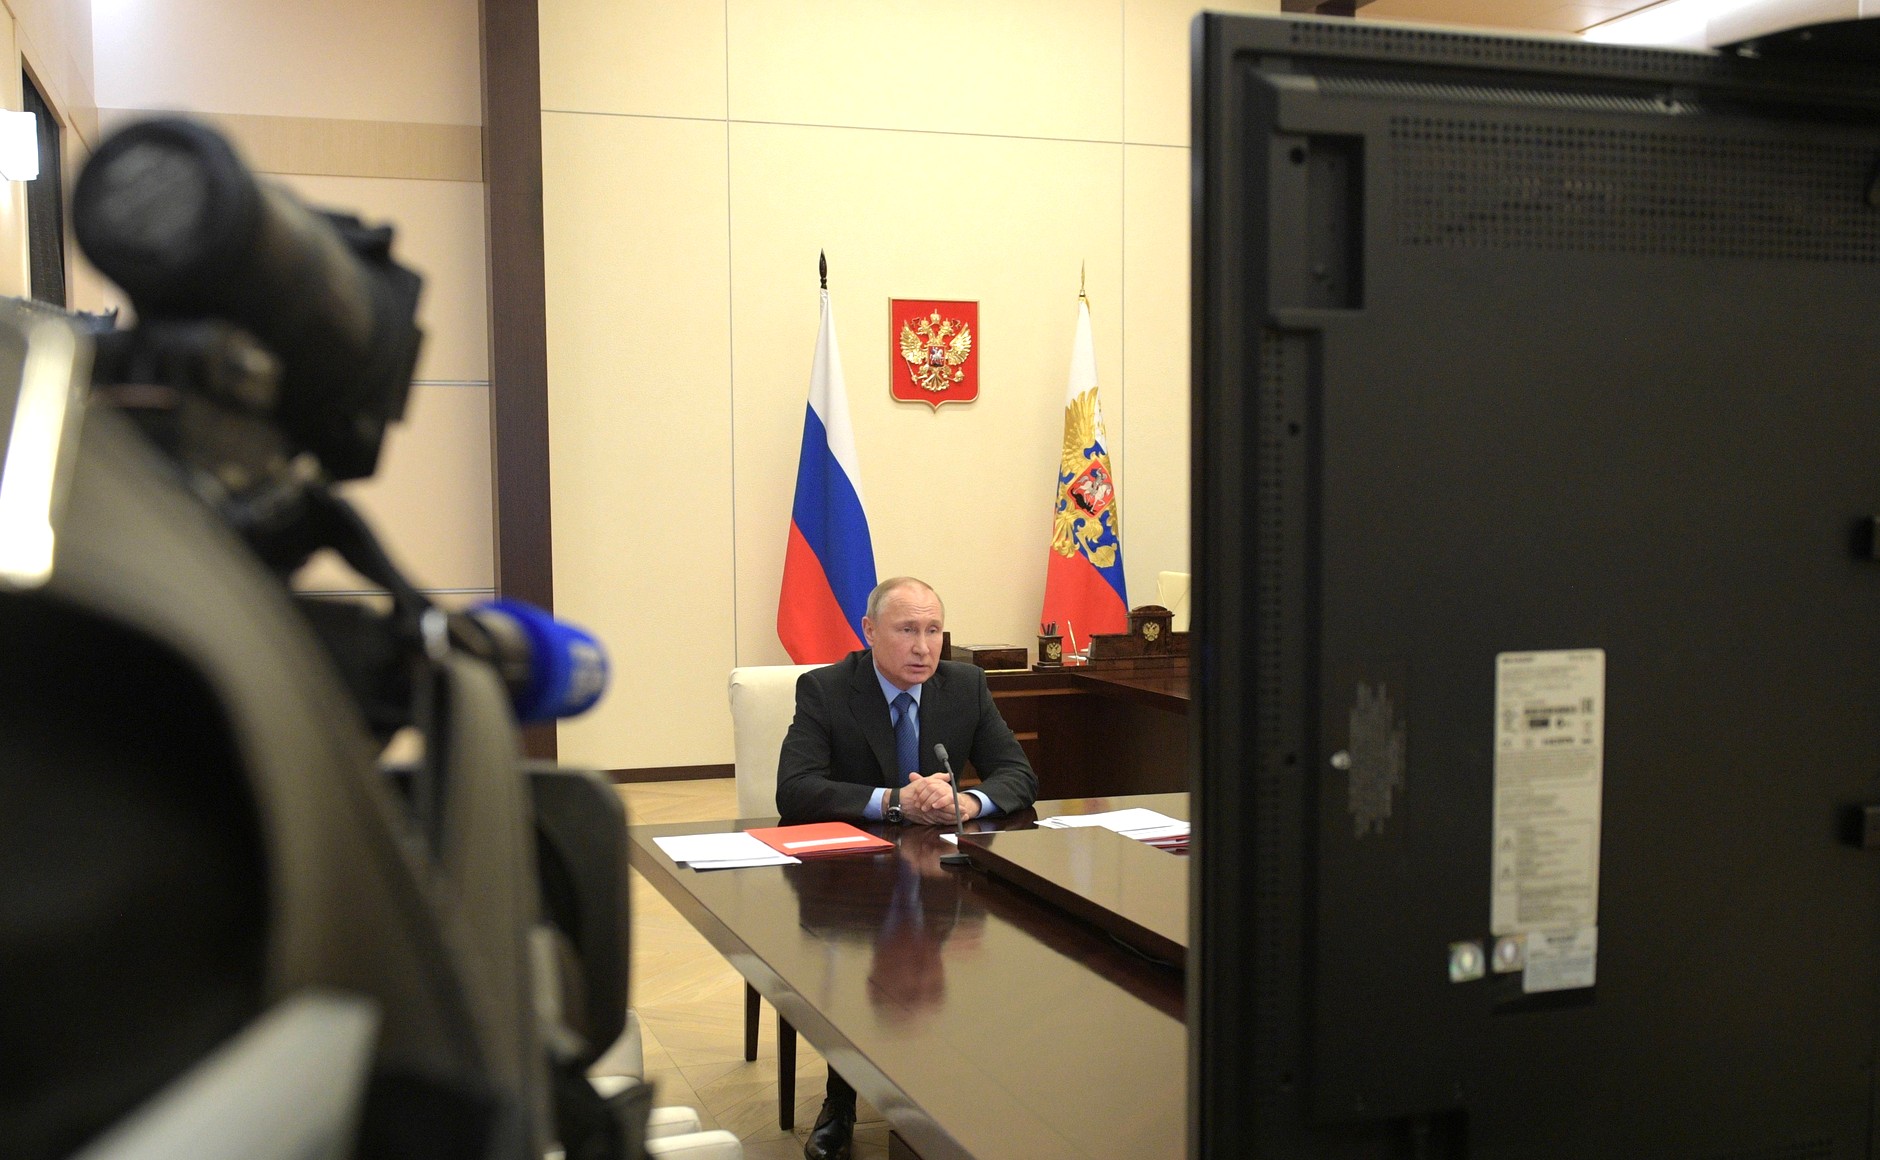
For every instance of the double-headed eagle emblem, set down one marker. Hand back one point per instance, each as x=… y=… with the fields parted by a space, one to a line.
x=1088 y=519
x=935 y=351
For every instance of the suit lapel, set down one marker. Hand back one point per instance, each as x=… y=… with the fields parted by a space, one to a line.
x=871 y=709
x=933 y=700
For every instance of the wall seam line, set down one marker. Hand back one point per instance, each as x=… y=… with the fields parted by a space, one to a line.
x=731 y=362
x=1117 y=140
x=487 y=589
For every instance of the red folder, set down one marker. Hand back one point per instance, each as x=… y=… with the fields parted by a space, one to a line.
x=820 y=840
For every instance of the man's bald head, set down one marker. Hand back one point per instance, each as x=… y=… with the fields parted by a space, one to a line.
x=893 y=584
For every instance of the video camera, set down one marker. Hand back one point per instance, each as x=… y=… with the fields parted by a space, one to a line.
x=226 y=928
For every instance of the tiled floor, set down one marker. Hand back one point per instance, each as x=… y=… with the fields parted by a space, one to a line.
x=691 y=1007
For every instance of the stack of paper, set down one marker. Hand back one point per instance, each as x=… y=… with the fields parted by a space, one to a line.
x=721 y=851
x=1155 y=829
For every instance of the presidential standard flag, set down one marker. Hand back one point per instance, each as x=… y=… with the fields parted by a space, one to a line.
x=829 y=565
x=1083 y=584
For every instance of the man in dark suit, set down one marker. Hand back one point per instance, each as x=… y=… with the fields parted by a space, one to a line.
x=861 y=748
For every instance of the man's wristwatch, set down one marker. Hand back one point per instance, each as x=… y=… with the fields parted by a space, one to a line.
x=893 y=812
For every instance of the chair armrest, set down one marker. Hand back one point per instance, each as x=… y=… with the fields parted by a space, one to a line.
x=673 y=1121
x=627 y=1056
x=715 y=1145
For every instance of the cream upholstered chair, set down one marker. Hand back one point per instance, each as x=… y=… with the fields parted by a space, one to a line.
x=674 y=1133
x=627 y=1056
x=1171 y=592
x=763 y=703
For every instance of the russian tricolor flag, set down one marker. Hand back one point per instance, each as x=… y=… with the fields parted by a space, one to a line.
x=829 y=566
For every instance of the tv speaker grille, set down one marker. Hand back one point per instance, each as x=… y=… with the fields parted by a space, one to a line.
x=1374 y=88
x=1465 y=49
x=1279 y=369
x=1503 y=185
x=1822 y=1149
x=1278 y=809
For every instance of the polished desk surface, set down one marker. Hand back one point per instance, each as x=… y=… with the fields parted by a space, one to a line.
x=1167 y=690
x=980 y=1021
x=1137 y=893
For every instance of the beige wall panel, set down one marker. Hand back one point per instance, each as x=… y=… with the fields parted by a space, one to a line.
x=655 y=57
x=1014 y=67
x=960 y=497
x=1156 y=65
x=85 y=287
x=15 y=267
x=639 y=427
x=1155 y=364
x=439 y=228
x=328 y=147
x=430 y=499
x=327 y=573
x=366 y=60
x=54 y=37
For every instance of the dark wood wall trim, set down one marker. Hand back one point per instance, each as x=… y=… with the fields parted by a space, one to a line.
x=518 y=312
x=671 y=773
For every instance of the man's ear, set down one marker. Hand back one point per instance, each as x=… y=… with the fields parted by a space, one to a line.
x=868 y=632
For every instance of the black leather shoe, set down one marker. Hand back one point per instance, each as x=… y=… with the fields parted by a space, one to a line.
x=833 y=1134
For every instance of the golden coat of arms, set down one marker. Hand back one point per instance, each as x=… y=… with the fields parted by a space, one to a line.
x=1087 y=519
x=933 y=351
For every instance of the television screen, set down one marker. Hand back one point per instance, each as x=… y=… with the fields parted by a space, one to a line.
x=1537 y=429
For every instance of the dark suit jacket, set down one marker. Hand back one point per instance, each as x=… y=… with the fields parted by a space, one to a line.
x=840 y=747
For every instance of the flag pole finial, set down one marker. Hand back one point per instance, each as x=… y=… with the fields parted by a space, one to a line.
x=1080 y=280
x=822 y=268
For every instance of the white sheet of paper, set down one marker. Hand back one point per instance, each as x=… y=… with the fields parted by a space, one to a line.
x=738 y=847
x=1122 y=821
x=740 y=863
x=1157 y=833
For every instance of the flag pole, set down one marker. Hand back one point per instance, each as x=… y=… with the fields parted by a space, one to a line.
x=1076 y=587
x=829 y=558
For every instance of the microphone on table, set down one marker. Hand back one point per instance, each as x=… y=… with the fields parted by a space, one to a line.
x=959 y=856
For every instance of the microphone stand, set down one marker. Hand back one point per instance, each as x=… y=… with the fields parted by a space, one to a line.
x=959 y=856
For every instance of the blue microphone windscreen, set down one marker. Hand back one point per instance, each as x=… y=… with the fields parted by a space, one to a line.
x=568 y=668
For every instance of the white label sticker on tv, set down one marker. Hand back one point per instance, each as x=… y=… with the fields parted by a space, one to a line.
x=1560 y=960
x=1550 y=714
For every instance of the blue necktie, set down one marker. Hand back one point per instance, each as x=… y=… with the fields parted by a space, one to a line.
x=906 y=738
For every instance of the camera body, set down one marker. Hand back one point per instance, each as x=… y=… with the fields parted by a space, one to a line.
x=204 y=860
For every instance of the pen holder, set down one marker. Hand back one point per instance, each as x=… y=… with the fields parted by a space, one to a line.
x=1050 y=651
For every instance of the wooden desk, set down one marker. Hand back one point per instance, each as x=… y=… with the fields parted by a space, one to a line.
x=1089 y=733
x=981 y=1022
x=1132 y=890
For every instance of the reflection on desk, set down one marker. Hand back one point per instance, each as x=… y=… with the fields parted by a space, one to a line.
x=978 y=1019
x=927 y=907
x=1134 y=892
